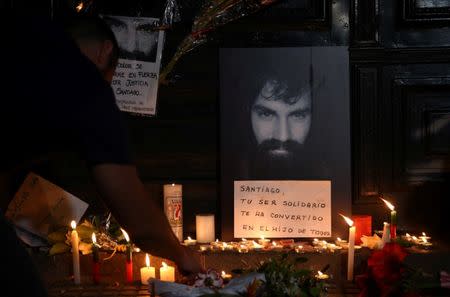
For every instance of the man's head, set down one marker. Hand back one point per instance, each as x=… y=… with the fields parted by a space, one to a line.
x=281 y=116
x=96 y=40
x=137 y=40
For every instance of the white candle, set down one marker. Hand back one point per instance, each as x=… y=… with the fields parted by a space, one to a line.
x=351 y=248
x=205 y=228
x=386 y=234
x=147 y=272
x=173 y=207
x=75 y=253
x=167 y=273
x=190 y=241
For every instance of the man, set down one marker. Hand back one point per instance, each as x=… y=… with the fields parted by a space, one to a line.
x=60 y=101
x=137 y=40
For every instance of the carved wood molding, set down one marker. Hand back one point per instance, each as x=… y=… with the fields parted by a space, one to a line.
x=365 y=22
x=421 y=12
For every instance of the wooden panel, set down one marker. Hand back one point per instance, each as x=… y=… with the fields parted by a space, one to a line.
x=431 y=12
x=421 y=115
x=365 y=22
x=366 y=133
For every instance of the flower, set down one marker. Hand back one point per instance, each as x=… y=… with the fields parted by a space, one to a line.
x=210 y=279
x=372 y=242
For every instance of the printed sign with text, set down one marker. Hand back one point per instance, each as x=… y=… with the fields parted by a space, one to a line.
x=280 y=209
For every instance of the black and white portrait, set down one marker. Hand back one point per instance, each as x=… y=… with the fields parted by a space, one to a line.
x=285 y=116
x=136 y=38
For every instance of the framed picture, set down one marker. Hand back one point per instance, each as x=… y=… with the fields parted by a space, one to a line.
x=285 y=116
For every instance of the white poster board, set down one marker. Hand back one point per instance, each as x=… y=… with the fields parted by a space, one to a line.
x=282 y=209
x=135 y=82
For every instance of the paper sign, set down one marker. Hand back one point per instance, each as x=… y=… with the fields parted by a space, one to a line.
x=280 y=209
x=135 y=81
x=39 y=206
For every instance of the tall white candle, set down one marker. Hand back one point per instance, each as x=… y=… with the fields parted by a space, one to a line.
x=75 y=253
x=205 y=228
x=386 y=234
x=173 y=207
x=351 y=248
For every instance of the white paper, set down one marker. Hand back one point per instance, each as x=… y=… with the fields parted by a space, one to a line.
x=39 y=207
x=135 y=82
x=282 y=209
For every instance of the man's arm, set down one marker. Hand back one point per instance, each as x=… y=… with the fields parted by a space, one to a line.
x=140 y=215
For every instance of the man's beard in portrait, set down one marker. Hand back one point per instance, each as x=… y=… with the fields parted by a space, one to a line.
x=278 y=159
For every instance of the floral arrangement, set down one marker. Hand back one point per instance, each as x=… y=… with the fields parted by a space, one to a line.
x=108 y=235
x=387 y=275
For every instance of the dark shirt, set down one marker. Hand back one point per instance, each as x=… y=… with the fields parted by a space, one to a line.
x=54 y=100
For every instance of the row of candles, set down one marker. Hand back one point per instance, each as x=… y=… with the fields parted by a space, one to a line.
x=166 y=272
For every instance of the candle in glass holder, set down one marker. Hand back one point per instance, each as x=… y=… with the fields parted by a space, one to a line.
x=205 y=228
x=147 y=272
x=75 y=253
x=173 y=207
x=167 y=273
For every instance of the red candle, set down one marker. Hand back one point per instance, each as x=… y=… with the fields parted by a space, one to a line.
x=363 y=224
x=95 y=261
x=129 y=260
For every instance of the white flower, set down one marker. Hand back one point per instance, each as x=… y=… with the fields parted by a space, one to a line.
x=209 y=279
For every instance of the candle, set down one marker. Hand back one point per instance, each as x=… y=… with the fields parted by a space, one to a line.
x=321 y=275
x=243 y=249
x=393 y=218
x=255 y=246
x=264 y=241
x=205 y=228
x=363 y=225
x=226 y=276
x=147 y=272
x=351 y=248
x=386 y=234
x=299 y=249
x=75 y=253
x=275 y=246
x=190 y=241
x=129 y=258
x=95 y=261
x=167 y=273
x=173 y=207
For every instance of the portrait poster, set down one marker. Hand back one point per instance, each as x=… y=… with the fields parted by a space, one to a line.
x=285 y=116
x=135 y=81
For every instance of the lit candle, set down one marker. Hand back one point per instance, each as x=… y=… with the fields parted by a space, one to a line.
x=190 y=241
x=205 y=228
x=321 y=275
x=299 y=248
x=424 y=237
x=351 y=248
x=129 y=260
x=147 y=272
x=243 y=249
x=226 y=276
x=255 y=246
x=95 y=261
x=276 y=246
x=264 y=241
x=167 y=273
x=75 y=253
x=393 y=218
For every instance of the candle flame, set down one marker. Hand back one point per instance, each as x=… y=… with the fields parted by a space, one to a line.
x=262 y=237
x=414 y=238
x=274 y=243
x=319 y=273
x=223 y=273
x=315 y=240
x=424 y=234
x=73 y=224
x=173 y=185
x=339 y=239
x=217 y=240
x=347 y=220
x=243 y=239
x=147 y=260
x=125 y=234
x=407 y=235
x=256 y=245
x=79 y=7
x=164 y=264
x=189 y=238
x=424 y=240
x=94 y=239
x=388 y=204
x=225 y=244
